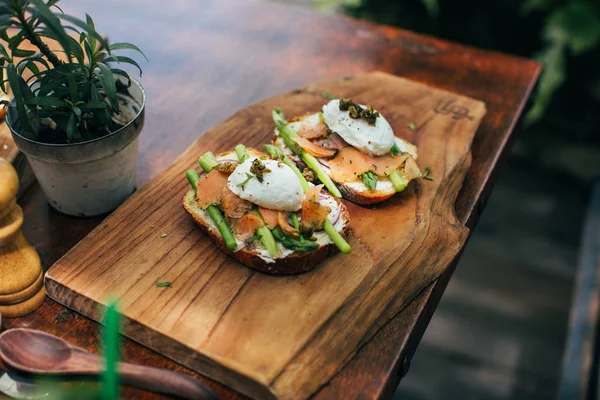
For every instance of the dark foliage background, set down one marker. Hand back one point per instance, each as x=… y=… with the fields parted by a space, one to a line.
x=562 y=132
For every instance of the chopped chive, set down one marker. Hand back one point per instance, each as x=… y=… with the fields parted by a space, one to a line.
x=164 y=284
x=426 y=174
x=328 y=96
x=412 y=126
x=164 y=235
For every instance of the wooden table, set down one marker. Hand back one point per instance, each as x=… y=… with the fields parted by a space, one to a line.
x=209 y=59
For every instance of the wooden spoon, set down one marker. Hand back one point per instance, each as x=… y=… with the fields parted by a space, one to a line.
x=40 y=353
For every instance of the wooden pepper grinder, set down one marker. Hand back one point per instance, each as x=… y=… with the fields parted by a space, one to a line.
x=21 y=273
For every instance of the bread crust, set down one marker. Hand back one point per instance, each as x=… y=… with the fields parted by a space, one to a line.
x=295 y=263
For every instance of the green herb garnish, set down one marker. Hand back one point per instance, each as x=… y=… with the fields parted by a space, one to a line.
x=395 y=150
x=426 y=174
x=243 y=184
x=370 y=179
x=164 y=235
x=164 y=284
x=412 y=126
x=328 y=96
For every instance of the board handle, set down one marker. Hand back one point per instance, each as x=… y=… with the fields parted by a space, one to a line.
x=165 y=382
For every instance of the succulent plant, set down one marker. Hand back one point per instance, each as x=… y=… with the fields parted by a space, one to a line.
x=66 y=99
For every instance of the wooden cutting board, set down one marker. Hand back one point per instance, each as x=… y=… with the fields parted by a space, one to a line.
x=266 y=336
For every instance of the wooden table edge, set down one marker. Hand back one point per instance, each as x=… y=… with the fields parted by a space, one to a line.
x=426 y=302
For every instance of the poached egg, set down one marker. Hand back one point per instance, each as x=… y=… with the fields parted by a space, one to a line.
x=280 y=189
x=374 y=140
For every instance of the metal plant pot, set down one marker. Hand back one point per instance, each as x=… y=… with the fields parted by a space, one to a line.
x=93 y=177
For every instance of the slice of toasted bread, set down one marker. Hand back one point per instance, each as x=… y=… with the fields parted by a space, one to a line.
x=356 y=191
x=257 y=257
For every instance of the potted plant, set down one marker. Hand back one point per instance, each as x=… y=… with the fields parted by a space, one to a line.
x=74 y=114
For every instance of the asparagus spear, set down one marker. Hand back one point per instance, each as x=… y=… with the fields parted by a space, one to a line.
x=397 y=180
x=193 y=177
x=291 y=243
x=288 y=134
x=223 y=227
x=207 y=161
x=295 y=221
x=327 y=226
x=267 y=240
x=242 y=154
x=266 y=236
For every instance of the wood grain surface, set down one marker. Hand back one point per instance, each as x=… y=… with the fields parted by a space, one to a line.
x=278 y=337
x=216 y=57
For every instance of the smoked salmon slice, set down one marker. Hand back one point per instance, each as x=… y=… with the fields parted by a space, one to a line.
x=313 y=212
x=312 y=131
x=232 y=205
x=314 y=149
x=269 y=216
x=285 y=225
x=411 y=169
x=246 y=226
x=209 y=189
x=350 y=163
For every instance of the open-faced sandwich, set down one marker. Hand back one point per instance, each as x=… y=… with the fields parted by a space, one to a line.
x=260 y=209
x=351 y=149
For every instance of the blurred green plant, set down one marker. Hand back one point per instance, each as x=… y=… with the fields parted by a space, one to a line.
x=109 y=389
x=62 y=101
x=571 y=27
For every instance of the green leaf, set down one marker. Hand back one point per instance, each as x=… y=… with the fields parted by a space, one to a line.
x=43 y=12
x=108 y=82
x=432 y=7
x=88 y=52
x=528 y=6
x=72 y=88
x=127 y=46
x=4 y=52
x=16 y=40
x=94 y=106
x=370 y=179
x=553 y=76
x=395 y=150
x=86 y=27
x=14 y=81
x=91 y=39
x=76 y=49
x=576 y=24
x=122 y=73
x=46 y=101
x=71 y=127
x=120 y=59
x=22 y=53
